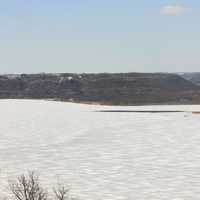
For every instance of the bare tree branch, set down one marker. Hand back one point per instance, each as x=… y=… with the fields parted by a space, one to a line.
x=27 y=187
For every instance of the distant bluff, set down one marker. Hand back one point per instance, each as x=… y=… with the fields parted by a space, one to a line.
x=104 y=88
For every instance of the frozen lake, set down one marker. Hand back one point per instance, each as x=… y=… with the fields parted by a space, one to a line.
x=103 y=156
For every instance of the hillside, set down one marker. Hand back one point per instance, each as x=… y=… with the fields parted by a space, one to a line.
x=116 y=89
x=194 y=77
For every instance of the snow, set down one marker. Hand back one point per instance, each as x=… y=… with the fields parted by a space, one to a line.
x=70 y=78
x=111 y=156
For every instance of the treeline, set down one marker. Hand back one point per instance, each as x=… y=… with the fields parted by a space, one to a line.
x=112 y=89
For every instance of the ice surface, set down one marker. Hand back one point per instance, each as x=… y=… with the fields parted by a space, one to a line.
x=103 y=156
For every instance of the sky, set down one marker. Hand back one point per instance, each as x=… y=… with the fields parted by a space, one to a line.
x=99 y=36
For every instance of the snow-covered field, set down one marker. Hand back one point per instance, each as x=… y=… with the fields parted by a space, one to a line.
x=103 y=156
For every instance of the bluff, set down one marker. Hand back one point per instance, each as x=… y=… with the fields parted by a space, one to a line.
x=104 y=88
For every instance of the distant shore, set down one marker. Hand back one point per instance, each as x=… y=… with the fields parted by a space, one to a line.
x=108 y=108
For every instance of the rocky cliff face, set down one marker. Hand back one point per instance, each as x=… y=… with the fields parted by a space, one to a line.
x=118 y=89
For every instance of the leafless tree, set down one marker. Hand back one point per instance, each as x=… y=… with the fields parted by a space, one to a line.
x=27 y=187
x=61 y=193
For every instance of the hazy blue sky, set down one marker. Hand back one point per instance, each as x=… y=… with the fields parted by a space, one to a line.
x=99 y=36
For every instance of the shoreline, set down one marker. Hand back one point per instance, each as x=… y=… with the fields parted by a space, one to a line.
x=107 y=104
x=108 y=108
